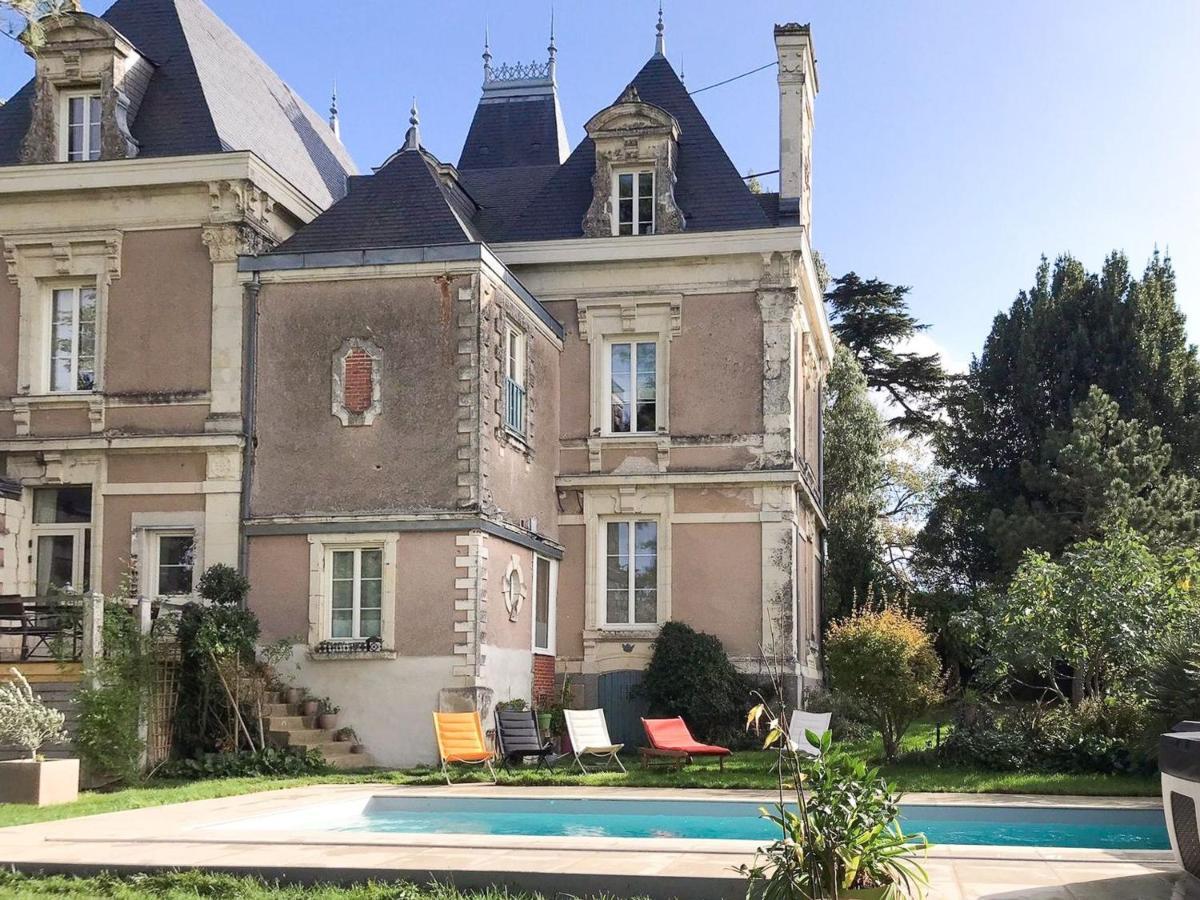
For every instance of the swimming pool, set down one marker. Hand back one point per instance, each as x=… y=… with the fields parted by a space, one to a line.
x=1124 y=829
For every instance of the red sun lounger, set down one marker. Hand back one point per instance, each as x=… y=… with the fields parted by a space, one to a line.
x=671 y=738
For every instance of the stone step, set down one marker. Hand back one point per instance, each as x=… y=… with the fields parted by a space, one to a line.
x=289 y=723
x=300 y=737
x=350 y=761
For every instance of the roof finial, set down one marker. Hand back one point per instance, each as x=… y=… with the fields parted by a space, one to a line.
x=487 y=52
x=681 y=66
x=660 y=42
x=334 y=125
x=552 y=49
x=412 y=138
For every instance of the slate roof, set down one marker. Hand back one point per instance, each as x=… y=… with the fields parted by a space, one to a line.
x=404 y=204
x=210 y=93
x=708 y=189
x=518 y=131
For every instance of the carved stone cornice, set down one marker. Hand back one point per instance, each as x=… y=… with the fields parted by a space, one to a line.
x=239 y=201
x=96 y=253
x=226 y=242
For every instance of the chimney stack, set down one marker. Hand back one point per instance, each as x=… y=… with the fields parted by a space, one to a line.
x=797 y=91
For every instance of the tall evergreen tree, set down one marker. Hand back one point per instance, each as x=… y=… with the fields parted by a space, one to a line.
x=1008 y=418
x=854 y=472
x=872 y=319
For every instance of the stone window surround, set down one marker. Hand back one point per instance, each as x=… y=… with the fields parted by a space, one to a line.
x=338 y=406
x=37 y=263
x=624 y=502
x=145 y=528
x=320 y=590
x=603 y=320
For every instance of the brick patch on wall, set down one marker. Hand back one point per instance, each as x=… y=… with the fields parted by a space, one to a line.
x=543 y=679
x=358 y=388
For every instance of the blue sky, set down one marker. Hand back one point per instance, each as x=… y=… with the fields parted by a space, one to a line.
x=955 y=142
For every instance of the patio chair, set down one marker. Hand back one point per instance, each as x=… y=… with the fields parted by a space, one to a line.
x=589 y=737
x=672 y=739
x=460 y=740
x=518 y=737
x=802 y=722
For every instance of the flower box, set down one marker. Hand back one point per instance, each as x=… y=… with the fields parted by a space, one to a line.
x=41 y=783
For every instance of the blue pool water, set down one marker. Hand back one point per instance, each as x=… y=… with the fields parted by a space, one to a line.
x=1019 y=826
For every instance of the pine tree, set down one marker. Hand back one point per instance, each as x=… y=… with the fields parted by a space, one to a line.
x=872 y=319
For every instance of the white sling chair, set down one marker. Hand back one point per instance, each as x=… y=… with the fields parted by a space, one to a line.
x=802 y=722
x=589 y=737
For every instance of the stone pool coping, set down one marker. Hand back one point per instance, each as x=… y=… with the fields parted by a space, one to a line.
x=183 y=836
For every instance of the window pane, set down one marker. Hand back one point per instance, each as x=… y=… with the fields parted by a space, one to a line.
x=370 y=624
x=75 y=111
x=55 y=562
x=94 y=111
x=64 y=505
x=647 y=355
x=646 y=186
x=370 y=594
x=372 y=563
x=646 y=416
x=343 y=624
x=174 y=580
x=541 y=609
x=343 y=564
x=621 y=386
x=343 y=595
x=645 y=385
x=625 y=186
x=618 y=539
x=94 y=129
x=617 y=612
x=60 y=374
x=645 y=611
x=175 y=550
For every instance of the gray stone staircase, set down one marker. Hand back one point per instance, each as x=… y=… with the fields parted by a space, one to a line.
x=287 y=726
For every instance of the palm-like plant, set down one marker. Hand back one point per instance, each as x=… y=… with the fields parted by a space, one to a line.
x=841 y=833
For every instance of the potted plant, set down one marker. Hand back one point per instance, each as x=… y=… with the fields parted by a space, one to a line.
x=27 y=722
x=344 y=734
x=327 y=714
x=840 y=834
x=310 y=707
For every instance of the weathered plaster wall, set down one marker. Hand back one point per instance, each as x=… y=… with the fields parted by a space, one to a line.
x=118 y=528
x=156 y=467
x=277 y=566
x=572 y=590
x=10 y=318
x=502 y=631
x=716 y=366
x=716 y=578
x=575 y=388
x=306 y=460
x=159 y=315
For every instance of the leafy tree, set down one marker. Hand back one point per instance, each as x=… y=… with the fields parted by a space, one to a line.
x=884 y=662
x=854 y=472
x=1102 y=609
x=25 y=19
x=1013 y=413
x=872 y=319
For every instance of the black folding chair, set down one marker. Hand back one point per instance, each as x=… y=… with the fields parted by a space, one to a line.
x=518 y=736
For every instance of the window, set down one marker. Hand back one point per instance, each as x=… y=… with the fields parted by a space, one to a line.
x=80 y=139
x=514 y=379
x=635 y=203
x=73 y=339
x=174 y=558
x=545 y=589
x=633 y=387
x=62 y=538
x=631 y=572
x=356 y=593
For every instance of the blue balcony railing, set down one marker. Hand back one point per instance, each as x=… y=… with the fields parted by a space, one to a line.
x=514 y=407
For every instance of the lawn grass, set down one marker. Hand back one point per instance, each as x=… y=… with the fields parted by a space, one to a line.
x=192 y=885
x=918 y=769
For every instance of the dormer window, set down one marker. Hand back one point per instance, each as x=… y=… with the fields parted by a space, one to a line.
x=634 y=203
x=80 y=136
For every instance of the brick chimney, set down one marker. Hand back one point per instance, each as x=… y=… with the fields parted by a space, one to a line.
x=797 y=91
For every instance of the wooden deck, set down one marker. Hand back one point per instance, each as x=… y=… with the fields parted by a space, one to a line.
x=43 y=672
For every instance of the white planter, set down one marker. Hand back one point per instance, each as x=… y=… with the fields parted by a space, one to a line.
x=39 y=783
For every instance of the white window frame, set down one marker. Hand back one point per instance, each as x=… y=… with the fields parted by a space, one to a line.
x=90 y=153
x=633 y=341
x=320 y=599
x=76 y=288
x=551 y=607
x=515 y=359
x=154 y=538
x=636 y=172
x=631 y=521
x=356 y=581
x=80 y=532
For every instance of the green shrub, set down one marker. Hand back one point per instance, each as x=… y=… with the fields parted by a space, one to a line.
x=223 y=584
x=1102 y=737
x=848 y=722
x=883 y=661
x=691 y=676
x=1171 y=684
x=268 y=761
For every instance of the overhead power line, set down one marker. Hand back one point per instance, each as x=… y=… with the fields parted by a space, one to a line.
x=709 y=87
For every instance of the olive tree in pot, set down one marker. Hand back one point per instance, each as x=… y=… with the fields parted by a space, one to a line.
x=27 y=722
